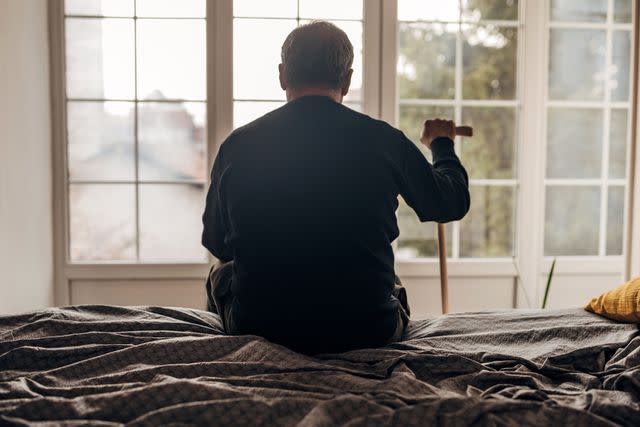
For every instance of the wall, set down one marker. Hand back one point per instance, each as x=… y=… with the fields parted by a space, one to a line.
x=26 y=268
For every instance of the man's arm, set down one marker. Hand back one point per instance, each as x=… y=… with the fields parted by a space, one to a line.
x=439 y=192
x=213 y=233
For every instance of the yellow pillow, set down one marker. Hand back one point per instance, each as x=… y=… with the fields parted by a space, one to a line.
x=621 y=303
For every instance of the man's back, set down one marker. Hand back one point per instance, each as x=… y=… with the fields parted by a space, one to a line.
x=303 y=201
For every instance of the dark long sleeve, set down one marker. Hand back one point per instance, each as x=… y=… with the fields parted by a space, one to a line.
x=213 y=234
x=438 y=192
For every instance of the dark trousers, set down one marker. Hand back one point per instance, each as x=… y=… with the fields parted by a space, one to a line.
x=220 y=299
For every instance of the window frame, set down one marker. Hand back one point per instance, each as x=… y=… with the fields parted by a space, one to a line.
x=379 y=101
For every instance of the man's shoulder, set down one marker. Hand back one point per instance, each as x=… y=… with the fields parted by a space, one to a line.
x=274 y=118
x=380 y=127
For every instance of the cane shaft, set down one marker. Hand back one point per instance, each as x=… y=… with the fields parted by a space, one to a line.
x=444 y=279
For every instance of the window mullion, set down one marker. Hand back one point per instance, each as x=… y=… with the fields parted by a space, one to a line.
x=455 y=232
x=372 y=54
x=604 y=189
x=532 y=88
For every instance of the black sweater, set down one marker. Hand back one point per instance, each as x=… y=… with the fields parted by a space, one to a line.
x=303 y=200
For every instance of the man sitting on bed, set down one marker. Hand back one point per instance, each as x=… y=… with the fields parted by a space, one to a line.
x=301 y=208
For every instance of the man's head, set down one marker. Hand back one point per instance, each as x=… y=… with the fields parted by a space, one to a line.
x=316 y=59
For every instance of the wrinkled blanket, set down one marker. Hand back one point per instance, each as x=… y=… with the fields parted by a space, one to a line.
x=103 y=365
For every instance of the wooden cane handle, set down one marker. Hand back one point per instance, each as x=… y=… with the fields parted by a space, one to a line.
x=464 y=130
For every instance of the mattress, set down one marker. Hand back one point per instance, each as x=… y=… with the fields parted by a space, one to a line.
x=107 y=365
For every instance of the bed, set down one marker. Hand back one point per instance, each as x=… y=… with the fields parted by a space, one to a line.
x=108 y=365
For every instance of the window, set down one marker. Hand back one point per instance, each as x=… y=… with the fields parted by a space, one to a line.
x=136 y=125
x=546 y=84
x=459 y=60
x=256 y=89
x=588 y=126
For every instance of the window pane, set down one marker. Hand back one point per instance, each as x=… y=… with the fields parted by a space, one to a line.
x=171 y=59
x=487 y=230
x=99 y=7
x=579 y=10
x=171 y=141
x=489 y=62
x=576 y=64
x=618 y=144
x=491 y=151
x=101 y=140
x=265 y=9
x=475 y=10
x=256 y=59
x=622 y=11
x=331 y=9
x=412 y=120
x=171 y=8
x=574 y=143
x=620 y=61
x=247 y=111
x=99 y=58
x=171 y=222
x=418 y=239
x=428 y=10
x=572 y=220
x=426 y=61
x=615 y=220
x=102 y=222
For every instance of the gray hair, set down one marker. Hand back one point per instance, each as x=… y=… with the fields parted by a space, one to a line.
x=317 y=54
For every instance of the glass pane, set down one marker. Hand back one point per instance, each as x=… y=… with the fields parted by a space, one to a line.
x=99 y=7
x=615 y=220
x=102 y=222
x=101 y=140
x=247 y=111
x=171 y=59
x=572 y=221
x=171 y=141
x=412 y=118
x=620 y=66
x=618 y=144
x=99 y=58
x=487 y=230
x=576 y=64
x=489 y=62
x=256 y=59
x=171 y=8
x=574 y=143
x=426 y=61
x=265 y=9
x=491 y=151
x=428 y=10
x=579 y=10
x=331 y=9
x=622 y=11
x=418 y=239
x=171 y=222
x=476 y=10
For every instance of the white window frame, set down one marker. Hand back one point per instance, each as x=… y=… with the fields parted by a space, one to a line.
x=379 y=100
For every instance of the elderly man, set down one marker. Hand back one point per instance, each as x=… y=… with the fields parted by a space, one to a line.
x=301 y=208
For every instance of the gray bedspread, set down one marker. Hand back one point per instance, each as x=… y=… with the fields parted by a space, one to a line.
x=102 y=365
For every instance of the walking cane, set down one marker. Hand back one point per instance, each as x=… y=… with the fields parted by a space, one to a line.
x=442 y=243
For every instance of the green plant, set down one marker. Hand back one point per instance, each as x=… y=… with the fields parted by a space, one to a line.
x=549 y=278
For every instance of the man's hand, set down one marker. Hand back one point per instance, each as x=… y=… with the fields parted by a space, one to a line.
x=435 y=129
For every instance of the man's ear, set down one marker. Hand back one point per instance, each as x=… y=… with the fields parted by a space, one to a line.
x=347 y=83
x=283 y=81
